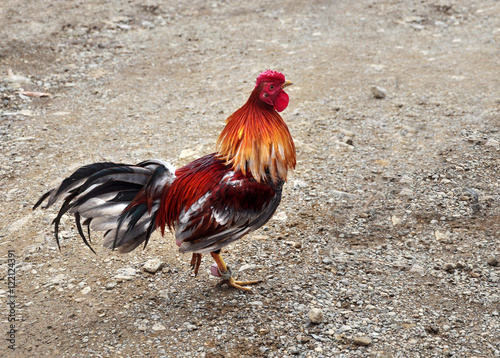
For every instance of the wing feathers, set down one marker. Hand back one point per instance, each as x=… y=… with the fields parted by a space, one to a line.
x=229 y=207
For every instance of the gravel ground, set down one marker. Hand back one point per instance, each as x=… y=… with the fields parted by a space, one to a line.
x=387 y=240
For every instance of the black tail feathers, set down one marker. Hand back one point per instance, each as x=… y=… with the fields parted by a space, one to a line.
x=121 y=200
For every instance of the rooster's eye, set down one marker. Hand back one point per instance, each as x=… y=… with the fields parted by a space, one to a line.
x=271 y=87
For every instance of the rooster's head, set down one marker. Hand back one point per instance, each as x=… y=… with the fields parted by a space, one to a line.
x=270 y=86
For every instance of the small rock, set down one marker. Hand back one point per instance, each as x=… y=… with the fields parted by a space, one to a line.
x=347 y=140
x=303 y=339
x=448 y=267
x=58 y=279
x=345 y=328
x=316 y=316
x=418 y=269
x=299 y=184
x=191 y=153
x=406 y=179
x=293 y=350
x=153 y=266
x=395 y=220
x=406 y=192
x=256 y=303
x=492 y=143
x=494 y=277
x=158 y=327
x=433 y=329
x=247 y=267
x=120 y=278
x=378 y=92
x=127 y=271
x=440 y=236
x=163 y=294
x=86 y=290
x=191 y=327
x=280 y=216
x=294 y=244
x=362 y=341
x=85 y=339
x=125 y=274
x=110 y=285
x=492 y=261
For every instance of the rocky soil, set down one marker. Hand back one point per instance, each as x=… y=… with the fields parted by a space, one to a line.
x=388 y=239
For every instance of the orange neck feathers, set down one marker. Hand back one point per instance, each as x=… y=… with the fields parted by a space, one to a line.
x=257 y=140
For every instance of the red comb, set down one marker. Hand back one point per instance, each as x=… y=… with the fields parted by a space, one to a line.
x=270 y=75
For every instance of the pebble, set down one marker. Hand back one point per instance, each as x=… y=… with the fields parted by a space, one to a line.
x=406 y=179
x=191 y=327
x=378 y=92
x=125 y=274
x=126 y=271
x=316 y=316
x=158 y=327
x=296 y=245
x=163 y=294
x=299 y=184
x=418 y=269
x=256 y=303
x=407 y=192
x=492 y=261
x=110 y=285
x=153 y=265
x=247 y=267
x=492 y=143
x=449 y=267
x=395 y=220
x=293 y=350
x=362 y=341
x=86 y=290
x=120 y=278
x=58 y=279
x=345 y=328
x=433 y=329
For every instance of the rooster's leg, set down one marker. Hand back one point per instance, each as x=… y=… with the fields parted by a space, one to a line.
x=226 y=274
x=195 y=263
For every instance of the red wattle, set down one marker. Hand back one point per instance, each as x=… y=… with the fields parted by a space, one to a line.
x=281 y=102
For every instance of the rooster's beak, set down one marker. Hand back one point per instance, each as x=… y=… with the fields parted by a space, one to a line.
x=286 y=84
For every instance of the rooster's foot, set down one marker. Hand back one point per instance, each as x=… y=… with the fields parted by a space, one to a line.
x=227 y=278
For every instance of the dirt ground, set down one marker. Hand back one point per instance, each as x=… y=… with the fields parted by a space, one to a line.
x=390 y=225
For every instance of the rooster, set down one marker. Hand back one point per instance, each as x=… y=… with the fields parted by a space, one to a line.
x=208 y=204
